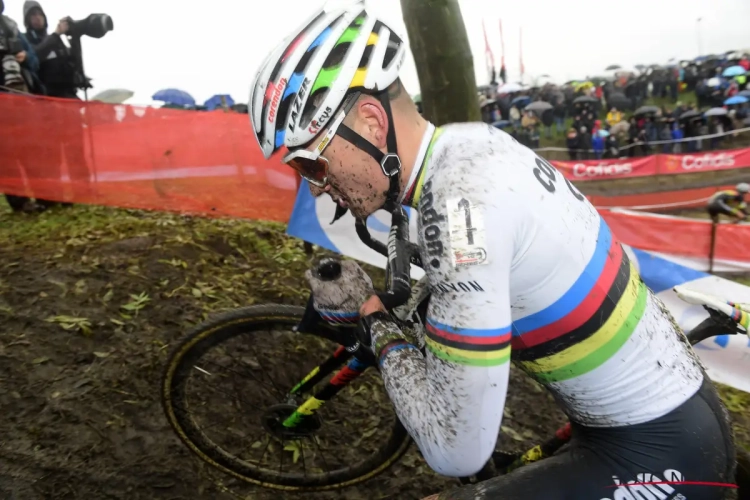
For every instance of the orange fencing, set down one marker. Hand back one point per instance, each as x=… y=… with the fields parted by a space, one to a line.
x=149 y=158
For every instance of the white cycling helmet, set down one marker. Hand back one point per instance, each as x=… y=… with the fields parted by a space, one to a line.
x=743 y=187
x=337 y=51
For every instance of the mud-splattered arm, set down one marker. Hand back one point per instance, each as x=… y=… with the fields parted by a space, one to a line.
x=451 y=400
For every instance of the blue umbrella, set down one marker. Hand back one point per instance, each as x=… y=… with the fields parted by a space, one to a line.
x=518 y=100
x=174 y=96
x=215 y=101
x=738 y=99
x=733 y=71
x=745 y=93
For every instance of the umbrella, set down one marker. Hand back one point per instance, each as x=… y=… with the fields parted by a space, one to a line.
x=618 y=100
x=218 y=101
x=501 y=124
x=539 y=106
x=520 y=101
x=509 y=88
x=745 y=93
x=716 y=112
x=738 y=99
x=733 y=71
x=113 y=96
x=603 y=133
x=646 y=110
x=713 y=82
x=612 y=67
x=487 y=103
x=687 y=115
x=174 y=96
x=640 y=67
x=584 y=98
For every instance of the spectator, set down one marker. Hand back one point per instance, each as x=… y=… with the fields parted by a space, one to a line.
x=584 y=144
x=61 y=77
x=612 y=149
x=677 y=135
x=560 y=113
x=547 y=121
x=597 y=143
x=665 y=134
x=614 y=117
x=632 y=137
x=17 y=73
x=515 y=116
x=572 y=141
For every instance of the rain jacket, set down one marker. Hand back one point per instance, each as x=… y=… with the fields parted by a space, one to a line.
x=56 y=66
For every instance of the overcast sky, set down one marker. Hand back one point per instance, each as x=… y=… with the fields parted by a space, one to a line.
x=215 y=47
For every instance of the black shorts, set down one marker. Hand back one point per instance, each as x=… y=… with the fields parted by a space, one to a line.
x=691 y=443
x=716 y=211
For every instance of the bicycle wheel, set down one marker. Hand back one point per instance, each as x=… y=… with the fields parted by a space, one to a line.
x=188 y=366
x=742 y=475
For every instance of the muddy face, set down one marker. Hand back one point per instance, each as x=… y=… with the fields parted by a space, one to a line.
x=355 y=178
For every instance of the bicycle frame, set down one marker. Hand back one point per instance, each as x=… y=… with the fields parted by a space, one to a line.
x=358 y=360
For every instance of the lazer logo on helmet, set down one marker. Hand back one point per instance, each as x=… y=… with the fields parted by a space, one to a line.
x=276 y=99
x=317 y=124
x=297 y=105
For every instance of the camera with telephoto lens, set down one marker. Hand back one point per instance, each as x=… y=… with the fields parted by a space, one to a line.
x=94 y=26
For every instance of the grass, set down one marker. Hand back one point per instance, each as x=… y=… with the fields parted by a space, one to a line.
x=247 y=256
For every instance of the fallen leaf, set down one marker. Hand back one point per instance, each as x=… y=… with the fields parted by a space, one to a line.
x=102 y=354
x=39 y=361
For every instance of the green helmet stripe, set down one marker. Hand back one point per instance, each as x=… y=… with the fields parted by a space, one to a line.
x=327 y=76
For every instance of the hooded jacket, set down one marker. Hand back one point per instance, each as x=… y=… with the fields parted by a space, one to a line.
x=56 y=67
x=9 y=29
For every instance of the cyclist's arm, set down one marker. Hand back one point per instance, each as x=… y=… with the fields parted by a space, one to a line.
x=451 y=400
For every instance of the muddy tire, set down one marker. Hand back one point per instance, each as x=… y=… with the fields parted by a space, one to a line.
x=219 y=329
x=742 y=475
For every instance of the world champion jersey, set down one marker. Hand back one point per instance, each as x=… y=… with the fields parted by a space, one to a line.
x=522 y=268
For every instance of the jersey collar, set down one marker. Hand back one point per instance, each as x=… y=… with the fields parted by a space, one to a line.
x=413 y=190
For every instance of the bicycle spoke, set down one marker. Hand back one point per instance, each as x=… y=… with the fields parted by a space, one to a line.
x=302 y=454
x=281 y=458
x=320 y=452
x=265 y=374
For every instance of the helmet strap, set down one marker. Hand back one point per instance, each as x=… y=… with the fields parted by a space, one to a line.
x=390 y=163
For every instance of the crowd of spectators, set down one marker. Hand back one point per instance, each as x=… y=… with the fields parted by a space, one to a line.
x=603 y=117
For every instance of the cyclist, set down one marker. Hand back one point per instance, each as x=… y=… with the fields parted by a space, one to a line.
x=520 y=266
x=729 y=202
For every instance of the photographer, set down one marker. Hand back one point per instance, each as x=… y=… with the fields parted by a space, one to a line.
x=61 y=73
x=57 y=70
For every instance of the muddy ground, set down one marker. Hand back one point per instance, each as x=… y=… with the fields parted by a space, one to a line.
x=91 y=302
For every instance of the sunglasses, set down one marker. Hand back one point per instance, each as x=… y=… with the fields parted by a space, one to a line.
x=311 y=165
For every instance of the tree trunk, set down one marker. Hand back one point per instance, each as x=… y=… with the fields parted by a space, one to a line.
x=445 y=65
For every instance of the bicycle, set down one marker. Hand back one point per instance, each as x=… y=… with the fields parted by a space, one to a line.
x=292 y=419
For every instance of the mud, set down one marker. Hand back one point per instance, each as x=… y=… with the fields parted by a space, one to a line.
x=92 y=300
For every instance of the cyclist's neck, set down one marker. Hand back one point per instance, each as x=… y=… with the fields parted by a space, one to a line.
x=413 y=172
x=411 y=130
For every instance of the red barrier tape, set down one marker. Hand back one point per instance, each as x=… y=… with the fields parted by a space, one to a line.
x=678 y=235
x=125 y=156
x=199 y=162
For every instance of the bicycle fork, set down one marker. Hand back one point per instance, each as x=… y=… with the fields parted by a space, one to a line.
x=353 y=369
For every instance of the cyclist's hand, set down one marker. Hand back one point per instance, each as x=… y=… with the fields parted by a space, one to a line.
x=371 y=305
x=338 y=301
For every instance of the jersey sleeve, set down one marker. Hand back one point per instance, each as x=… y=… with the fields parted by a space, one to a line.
x=451 y=400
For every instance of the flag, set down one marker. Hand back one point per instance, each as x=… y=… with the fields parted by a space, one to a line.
x=502 y=45
x=489 y=57
x=520 y=45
